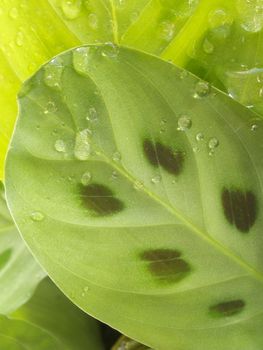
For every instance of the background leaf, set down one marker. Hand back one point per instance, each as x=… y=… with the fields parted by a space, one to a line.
x=19 y=272
x=221 y=41
x=148 y=187
x=49 y=321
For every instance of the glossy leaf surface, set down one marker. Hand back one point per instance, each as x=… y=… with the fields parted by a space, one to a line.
x=19 y=272
x=148 y=187
x=49 y=321
x=219 y=40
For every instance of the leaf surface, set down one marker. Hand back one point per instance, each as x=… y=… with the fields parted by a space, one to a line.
x=19 y=272
x=219 y=40
x=148 y=186
x=49 y=321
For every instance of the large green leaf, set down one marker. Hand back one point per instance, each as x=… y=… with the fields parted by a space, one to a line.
x=49 y=322
x=147 y=183
x=19 y=272
x=219 y=40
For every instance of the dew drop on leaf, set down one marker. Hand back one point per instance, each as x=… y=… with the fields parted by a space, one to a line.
x=199 y=136
x=92 y=115
x=110 y=50
x=254 y=127
x=71 y=8
x=202 y=89
x=213 y=143
x=60 y=146
x=86 y=178
x=138 y=185
x=81 y=57
x=93 y=21
x=167 y=30
x=184 y=123
x=208 y=47
x=50 y=107
x=156 y=179
x=37 y=216
x=116 y=156
x=82 y=145
x=52 y=74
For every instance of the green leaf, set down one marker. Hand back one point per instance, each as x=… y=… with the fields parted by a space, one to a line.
x=148 y=186
x=49 y=321
x=219 y=40
x=19 y=272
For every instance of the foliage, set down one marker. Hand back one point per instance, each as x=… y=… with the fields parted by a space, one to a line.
x=136 y=185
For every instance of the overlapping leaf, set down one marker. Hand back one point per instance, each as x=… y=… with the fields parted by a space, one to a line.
x=49 y=321
x=19 y=272
x=147 y=185
x=218 y=40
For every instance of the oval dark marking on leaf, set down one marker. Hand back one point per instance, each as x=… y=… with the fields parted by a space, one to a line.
x=5 y=257
x=159 y=154
x=240 y=208
x=100 y=200
x=166 y=264
x=229 y=308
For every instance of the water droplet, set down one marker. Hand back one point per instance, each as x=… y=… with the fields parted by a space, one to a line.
x=19 y=39
x=114 y=175
x=84 y=291
x=110 y=50
x=260 y=93
x=81 y=58
x=208 y=47
x=167 y=30
x=13 y=13
x=92 y=115
x=138 y=185
x=53 y=72
x=93 y=21
x=156 y=179
x=116 y=156
x=82 y=148
x=71 y=8
x=86 y=178
x=60 y=146
x=254 y=127
x=219 y=18
x=183 y=74
x=184 y=123
x=50 y=107
x=213 y=143
x=199 y=136
x=202 y=89
x=260 y=77
x=37 y=216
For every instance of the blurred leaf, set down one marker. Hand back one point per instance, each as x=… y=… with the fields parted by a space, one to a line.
x=19 y=272
x=49 y=321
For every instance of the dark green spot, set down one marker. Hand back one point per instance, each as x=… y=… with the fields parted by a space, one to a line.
x=100 y=200
x=159 y=154
x=166 y=264
x=229 y=308
x=240 y=208
x=5 y=257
